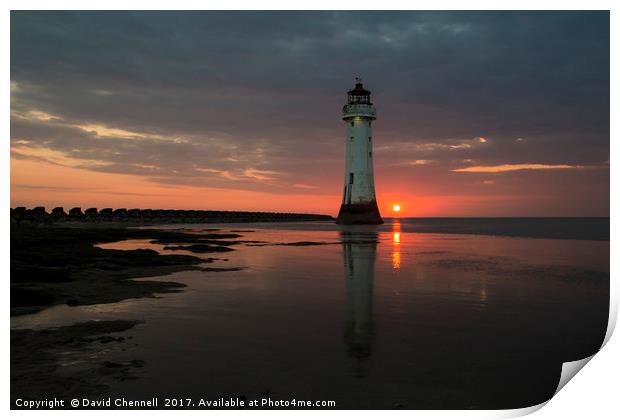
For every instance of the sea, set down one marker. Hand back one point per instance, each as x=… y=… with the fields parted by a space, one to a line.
x=417 y=313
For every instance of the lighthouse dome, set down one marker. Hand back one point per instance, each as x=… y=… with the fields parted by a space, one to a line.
x=358 y=103
x=359 y=95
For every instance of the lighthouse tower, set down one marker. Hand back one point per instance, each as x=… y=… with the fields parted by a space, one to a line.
x=359 y=203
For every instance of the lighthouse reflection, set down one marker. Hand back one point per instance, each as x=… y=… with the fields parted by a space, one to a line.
x=359 y=253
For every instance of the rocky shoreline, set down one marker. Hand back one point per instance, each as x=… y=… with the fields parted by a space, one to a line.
x=61 y=264
x=58 y=264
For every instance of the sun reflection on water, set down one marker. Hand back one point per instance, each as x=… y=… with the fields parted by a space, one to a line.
x=396 y=245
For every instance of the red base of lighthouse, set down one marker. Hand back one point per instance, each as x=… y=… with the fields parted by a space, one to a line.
x=359 y=214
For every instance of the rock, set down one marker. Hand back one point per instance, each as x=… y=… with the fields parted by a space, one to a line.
x=76 y=212
x=58 y=212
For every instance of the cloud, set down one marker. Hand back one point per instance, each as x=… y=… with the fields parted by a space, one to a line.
x=515 y=167
x=447 y=145
x=261 y=175
x=251 y=100
x=418 y=146
x=36 y=115
x=443 y=146
x=53 y=156
x=103 y=131
x=99 y=130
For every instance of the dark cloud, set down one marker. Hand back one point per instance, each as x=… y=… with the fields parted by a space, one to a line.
x=217 y=94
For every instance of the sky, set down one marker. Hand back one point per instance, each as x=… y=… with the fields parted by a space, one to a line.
x=478 y=113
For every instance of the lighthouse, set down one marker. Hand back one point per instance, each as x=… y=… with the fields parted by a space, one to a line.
x=359 y=203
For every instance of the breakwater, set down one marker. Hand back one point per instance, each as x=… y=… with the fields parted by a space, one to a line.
x=153 y=216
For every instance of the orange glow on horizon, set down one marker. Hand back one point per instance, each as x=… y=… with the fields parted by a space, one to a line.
x=64 y=182
x=51 y=185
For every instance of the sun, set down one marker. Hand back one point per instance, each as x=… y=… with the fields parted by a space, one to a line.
x=396 y=208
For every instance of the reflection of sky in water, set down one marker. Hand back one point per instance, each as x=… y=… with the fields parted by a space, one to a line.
x=412 y=258
x=409 y=297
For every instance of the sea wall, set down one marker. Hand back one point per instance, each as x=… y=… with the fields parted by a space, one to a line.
x=153 y=216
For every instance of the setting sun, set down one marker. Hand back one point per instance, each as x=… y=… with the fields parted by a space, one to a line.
x=396 y=208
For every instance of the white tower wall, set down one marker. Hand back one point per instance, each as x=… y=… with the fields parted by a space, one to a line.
x=359 y=163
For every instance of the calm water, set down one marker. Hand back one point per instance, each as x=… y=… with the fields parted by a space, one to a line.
x=376 y=318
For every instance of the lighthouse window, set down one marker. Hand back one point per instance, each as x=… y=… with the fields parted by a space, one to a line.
x=351 y=178
x=369 y=154
x=370 y=138
x=352 y=123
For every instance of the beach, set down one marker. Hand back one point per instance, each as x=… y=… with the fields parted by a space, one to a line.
x=411 y=314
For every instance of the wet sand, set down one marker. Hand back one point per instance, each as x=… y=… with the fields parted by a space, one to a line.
x=412 y=321
x=55 y=361
x=54 y=265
